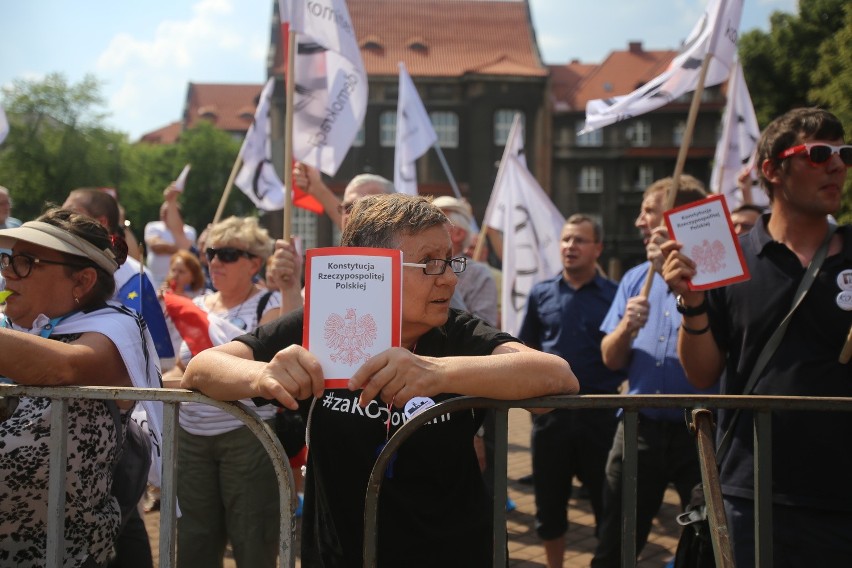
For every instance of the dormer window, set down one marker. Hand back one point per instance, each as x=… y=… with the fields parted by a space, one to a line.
x=208 y=112
x=418 y=44
x=372 y=43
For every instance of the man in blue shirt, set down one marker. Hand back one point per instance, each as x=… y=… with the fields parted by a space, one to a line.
x=641 y=338
x=563 y=317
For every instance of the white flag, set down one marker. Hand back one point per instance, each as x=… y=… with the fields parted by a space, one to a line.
x=330 y=82
x=737 y=144
x=515 y=148
x=257 y=177
x=414 y=134
x=715 y=33
x=531 y=226
x=4 y=125
x=180 y=182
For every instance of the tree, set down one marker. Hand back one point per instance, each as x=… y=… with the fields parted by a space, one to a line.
x=56 y=142
x=778 y=65
x=832 y=85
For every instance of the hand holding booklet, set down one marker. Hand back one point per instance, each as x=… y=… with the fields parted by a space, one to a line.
x=704 y=229
x=353 y=299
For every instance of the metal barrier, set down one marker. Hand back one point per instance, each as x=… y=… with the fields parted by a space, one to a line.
x=762 y=406
x=170 y=398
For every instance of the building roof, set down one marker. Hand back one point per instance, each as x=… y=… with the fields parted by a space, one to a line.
x=574 y=84
x=166 y=135
x=445 y=38
x=229 y=107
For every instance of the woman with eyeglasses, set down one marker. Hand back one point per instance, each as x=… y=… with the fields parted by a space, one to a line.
x=59 y=328
x=226 y=486
x=434 y=509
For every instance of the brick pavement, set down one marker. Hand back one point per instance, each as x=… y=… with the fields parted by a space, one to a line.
x=525 y=550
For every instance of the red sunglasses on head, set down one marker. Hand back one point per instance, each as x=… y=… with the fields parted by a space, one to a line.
x=819 y=153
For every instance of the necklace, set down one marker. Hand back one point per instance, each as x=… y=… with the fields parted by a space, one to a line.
x=236 y=318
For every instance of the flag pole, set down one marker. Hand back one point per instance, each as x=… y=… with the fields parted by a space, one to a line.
x=446 y=167
x=480 y=242
x=671 y=194
x=290 y=89
x=228 y=186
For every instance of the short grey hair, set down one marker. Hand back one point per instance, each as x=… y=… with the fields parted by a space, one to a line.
x=363 y=179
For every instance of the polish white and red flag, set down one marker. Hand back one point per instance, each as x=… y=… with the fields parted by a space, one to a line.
x=715 y=33
x=330 y=81
x=199 y=329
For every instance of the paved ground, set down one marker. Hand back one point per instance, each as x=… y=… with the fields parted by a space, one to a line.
x=525 y=550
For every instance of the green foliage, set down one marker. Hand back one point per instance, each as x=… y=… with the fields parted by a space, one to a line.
x=778 y=65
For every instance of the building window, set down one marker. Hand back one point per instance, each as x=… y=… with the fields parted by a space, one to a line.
x=678 y=132
x=503 y=123
x=387 y=129
x=446 y=125
x=639 y=133
x=590 y=139
x=591 y=179
x=305 y=226
x=360 y=137
x=644 y=177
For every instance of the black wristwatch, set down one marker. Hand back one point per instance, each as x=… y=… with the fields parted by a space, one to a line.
x=690 y=311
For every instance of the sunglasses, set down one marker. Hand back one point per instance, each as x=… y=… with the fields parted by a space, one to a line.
x=226 y=254
x=22 y=264
x=819 y=153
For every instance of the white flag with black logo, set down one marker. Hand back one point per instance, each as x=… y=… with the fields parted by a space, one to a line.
x=257 y=177
x=734 y=151
x=330 y=82
x=414 y=134
x=531 y=226
x=715 y=33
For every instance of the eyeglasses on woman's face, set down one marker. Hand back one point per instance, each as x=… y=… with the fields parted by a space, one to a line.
x=22 y=264
x=437 y=266
x=226 y=254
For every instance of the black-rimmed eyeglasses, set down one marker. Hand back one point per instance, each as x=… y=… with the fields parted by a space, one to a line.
x=22 y=264
x=437 y=266
x=226 y=254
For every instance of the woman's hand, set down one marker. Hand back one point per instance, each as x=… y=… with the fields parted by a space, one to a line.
x=294 y=374
x=397 y=375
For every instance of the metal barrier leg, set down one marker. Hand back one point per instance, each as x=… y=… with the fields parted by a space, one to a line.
x=56 y=487
x=629 y=483
x=763 y=488
x=501 y=446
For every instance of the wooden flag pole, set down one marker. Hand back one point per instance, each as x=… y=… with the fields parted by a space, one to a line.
x=225 y=194
x=290 y=84
x=671 y=194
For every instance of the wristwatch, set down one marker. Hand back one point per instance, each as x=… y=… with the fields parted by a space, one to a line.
x=690 y=311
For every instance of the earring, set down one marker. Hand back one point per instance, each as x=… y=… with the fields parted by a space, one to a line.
x=77 y=300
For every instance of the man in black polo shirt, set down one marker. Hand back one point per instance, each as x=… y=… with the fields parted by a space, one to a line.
x=803 y=166
x=563 y=317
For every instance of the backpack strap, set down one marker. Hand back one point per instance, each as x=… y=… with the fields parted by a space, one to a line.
x=261 y=304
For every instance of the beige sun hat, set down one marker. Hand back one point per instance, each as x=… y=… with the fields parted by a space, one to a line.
x=52 y=237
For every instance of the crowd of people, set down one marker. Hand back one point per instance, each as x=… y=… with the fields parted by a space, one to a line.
x=582 y=333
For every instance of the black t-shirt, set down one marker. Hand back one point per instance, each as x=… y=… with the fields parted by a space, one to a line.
x=812 y=451
x=433 y=507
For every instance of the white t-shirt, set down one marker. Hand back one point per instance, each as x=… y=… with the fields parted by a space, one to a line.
x=158 y=264
x=203 y=419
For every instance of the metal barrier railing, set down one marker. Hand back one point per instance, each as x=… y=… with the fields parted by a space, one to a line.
x=762 y=406
x=168 y=498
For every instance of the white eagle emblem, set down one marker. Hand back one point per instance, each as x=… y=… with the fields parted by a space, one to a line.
x=349 y=336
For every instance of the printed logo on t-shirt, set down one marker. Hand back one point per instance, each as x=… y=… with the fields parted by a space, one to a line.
x=348 y=404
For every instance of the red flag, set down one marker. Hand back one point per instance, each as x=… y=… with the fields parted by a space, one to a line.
x=199 y=329
x=305 y=200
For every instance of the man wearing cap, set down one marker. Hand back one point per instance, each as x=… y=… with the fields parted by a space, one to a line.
x=476 y=285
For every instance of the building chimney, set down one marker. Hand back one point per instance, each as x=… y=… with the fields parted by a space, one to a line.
x=635 y=46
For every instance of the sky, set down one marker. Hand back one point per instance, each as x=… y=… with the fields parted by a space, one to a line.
x=146 y=52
